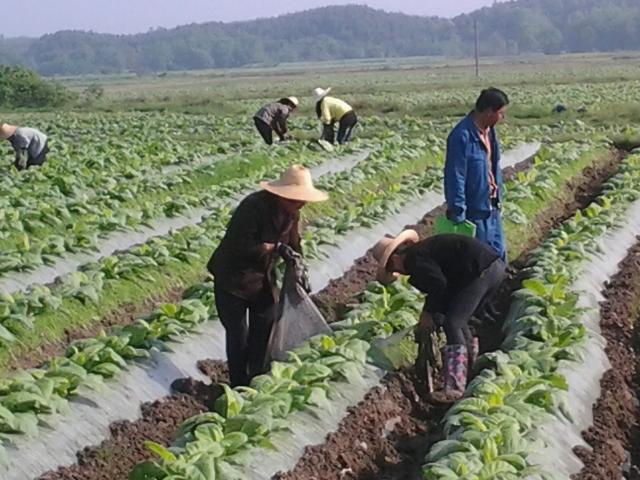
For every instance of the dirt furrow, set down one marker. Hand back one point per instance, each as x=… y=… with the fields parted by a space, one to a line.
x=614 y=435
x=393 y=425
x=397 y=453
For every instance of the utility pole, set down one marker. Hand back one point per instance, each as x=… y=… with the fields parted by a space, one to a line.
x=475 y=31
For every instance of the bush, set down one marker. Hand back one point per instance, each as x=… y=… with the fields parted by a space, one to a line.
x=21 y=87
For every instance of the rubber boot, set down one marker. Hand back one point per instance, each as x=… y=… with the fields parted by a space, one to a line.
x=475 y=351
x=455 y=375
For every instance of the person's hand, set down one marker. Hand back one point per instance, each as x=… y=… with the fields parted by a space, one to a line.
x=302 y=274
x=286 y=252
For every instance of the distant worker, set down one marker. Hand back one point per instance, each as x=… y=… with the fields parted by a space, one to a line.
x=30 y=145
x=263 y=227
x=332 y=110
x=273 y=118
x=458 y=274
x=472 y=173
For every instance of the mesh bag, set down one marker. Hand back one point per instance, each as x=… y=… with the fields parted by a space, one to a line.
x=298 y=317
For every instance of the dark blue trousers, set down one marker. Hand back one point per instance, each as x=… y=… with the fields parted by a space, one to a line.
x=489 y=230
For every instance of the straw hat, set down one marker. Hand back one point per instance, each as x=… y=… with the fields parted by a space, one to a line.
x=295 y=184
x=383 y=250
x=7 y=130
x=319 y=93
x=294 y=101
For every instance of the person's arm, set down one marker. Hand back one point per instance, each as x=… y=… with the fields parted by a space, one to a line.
x=22 y=158
x=427 y=276
x=244 y=230
x=280 y=123
x=455 y=176
x=294 y=236
x=325 y=112
x=21 y=148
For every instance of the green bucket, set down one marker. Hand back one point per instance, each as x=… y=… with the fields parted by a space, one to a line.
x=444 y=225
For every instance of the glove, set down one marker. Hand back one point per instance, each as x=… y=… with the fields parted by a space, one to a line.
x=286 y=252
x=302 y=276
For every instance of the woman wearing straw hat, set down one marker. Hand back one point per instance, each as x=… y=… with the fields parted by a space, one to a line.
x=30 y=145
x=458 y=274
x=331 y=110
x=273 y=118
x=262 y=228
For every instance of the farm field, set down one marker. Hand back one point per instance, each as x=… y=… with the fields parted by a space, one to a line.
x=105 y=299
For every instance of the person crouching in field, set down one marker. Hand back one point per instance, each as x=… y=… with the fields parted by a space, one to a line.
x=262 y=228
x=30 y=145
x=332 y=110
x=459 y=274
x=273 y=118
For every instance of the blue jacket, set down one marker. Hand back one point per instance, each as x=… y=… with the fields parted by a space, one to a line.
x=466 y=176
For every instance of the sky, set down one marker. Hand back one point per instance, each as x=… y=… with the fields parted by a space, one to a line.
x=37 y=17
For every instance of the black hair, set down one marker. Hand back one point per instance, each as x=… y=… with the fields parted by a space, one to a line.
x=286 y=101
x=491 y=99
x=319 y=107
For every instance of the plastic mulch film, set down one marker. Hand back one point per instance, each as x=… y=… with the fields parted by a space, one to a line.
x=562 y=435
x=121 y=241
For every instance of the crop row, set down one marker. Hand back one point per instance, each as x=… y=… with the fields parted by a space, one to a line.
x=20 y=310
x=493 y=430
x=216 y=445
x=42 y=231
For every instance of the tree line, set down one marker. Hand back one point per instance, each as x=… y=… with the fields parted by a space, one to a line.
x=337 y=33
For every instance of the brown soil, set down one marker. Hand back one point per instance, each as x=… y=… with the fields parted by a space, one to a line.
x=614 y=435
x=117 y=456
x=399 y=454
x=394 y=423
x=123 y=315
x=382 y=438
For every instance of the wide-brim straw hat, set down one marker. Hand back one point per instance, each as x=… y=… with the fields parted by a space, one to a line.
x=383 y=250
x=320 y=93
x=295 y=184
x=294 y=101
x=7 y=130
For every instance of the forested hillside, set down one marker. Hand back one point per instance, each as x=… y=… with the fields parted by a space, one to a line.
x=340 y=32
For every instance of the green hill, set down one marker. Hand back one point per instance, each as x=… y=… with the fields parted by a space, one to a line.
x=335 y=33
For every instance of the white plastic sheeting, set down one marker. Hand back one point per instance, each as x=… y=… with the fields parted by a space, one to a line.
x=120 y=399
x=93 y=412
x=309 y=428
x=122 y=241
x=561 y=435
x=340 y=258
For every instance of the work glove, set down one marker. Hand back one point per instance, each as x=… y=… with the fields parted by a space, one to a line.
x=287 y=253
x=302 y=276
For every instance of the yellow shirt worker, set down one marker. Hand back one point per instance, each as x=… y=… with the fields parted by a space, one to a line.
x=331 y=110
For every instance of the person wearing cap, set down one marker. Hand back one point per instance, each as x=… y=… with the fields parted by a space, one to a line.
x=263 y=227
x=332 y=110
x=472 y=173
x=273 y=118
x=458 y=274
x=30 y=145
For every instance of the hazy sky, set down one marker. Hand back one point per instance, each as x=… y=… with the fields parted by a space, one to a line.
x=37 y=17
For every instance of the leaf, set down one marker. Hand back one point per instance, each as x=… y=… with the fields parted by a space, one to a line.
x=160 y=451
x=535 y=286
x=148 y=471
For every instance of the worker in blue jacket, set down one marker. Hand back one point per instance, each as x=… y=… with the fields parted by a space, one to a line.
x=472 y=174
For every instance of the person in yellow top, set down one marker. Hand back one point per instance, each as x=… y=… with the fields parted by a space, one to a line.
x=331 y=110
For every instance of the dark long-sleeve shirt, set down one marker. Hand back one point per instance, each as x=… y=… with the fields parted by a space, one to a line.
x=275 y=115
x=441 y=265
x=240 y=264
